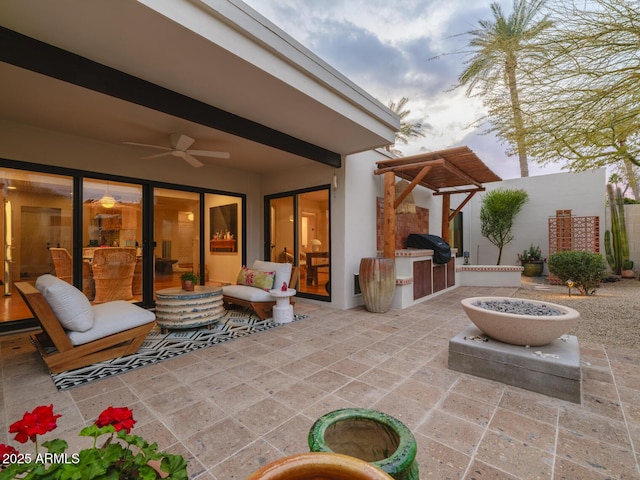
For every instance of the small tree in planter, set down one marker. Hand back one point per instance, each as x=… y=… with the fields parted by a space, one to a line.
x=497 y=214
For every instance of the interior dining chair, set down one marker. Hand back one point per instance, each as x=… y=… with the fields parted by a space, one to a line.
x=64 y=270
x=62 y=264
x=113 y=270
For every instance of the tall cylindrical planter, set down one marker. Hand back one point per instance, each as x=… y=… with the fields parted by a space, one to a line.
x=377 y=283
x=319 y=466
x=369 y=435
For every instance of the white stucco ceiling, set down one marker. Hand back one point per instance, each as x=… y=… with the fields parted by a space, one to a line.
x=218 y=52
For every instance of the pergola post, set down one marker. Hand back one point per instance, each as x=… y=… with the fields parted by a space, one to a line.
x=446 y=207
x=389 y=216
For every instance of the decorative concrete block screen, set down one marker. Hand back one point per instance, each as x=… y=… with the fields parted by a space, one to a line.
x=567 y=232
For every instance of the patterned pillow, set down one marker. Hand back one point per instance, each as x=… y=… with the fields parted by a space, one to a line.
x=256 y=278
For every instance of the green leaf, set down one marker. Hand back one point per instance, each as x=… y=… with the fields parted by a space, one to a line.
x=56 y=445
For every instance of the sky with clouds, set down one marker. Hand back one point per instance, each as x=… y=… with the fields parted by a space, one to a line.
x=403 y=48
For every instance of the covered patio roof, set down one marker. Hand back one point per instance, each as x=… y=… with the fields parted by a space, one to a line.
x=446 y=172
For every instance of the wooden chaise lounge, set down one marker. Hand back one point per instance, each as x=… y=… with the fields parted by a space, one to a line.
x=257 y=299
x=116 y=328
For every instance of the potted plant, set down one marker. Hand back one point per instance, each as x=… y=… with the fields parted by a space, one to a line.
x=532 y=261
x=189 y=281
x=121 y=456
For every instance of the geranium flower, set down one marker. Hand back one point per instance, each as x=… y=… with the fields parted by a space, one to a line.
x=38 y=422
x=128 y=457
x=120 y=417
x=5 y=454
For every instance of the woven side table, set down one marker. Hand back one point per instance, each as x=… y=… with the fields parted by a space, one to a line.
x=179 y=309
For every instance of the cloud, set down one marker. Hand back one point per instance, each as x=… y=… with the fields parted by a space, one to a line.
x=404 y=48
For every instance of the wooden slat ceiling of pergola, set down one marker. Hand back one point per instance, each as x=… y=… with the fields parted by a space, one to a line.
x=449 y=169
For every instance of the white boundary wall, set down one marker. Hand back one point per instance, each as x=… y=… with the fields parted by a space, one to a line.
x=583 y=193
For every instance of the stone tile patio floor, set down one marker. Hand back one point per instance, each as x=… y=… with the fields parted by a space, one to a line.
x=232 y=408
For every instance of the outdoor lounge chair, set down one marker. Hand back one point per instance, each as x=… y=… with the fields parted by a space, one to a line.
x=75 y=333
x=257 y=299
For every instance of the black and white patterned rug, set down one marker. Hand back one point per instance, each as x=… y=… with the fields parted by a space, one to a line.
x=161 y=346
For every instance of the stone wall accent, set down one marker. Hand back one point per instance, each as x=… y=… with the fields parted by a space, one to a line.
x=406 y=223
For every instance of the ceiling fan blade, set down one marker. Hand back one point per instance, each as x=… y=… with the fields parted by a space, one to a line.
x=180 y=141
x=208 y=153
x=194 y=162
x=146 y=145
x=157 y=155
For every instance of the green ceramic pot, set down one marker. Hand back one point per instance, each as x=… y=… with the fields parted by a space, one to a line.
x=369 y=435
x=533 y=269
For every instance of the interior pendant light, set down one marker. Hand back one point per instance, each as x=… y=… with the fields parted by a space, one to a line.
x=107 y=201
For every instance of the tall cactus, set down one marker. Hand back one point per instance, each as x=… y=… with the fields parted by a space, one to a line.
x=615 y=241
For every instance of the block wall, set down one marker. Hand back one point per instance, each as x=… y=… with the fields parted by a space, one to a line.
x=406 y=223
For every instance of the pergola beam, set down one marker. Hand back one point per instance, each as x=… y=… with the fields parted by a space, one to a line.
x=411 y=166
x=412 y=185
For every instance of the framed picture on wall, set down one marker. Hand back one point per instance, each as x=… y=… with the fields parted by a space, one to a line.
x=223 y=224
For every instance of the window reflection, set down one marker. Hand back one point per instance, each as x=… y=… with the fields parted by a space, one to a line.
x=112 y=238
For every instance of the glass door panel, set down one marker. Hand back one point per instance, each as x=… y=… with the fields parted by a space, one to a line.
x=281 y=246
x=223 y=227
x=37 y=220
x=313 y=242
x=111 y=241
x=176 y=231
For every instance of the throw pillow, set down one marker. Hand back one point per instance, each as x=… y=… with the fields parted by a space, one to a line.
x=71 y=307
x=256 y=278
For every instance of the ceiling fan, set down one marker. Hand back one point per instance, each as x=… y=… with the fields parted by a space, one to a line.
x=180 y=144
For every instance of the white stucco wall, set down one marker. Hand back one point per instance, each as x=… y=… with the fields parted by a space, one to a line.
x=361 y=189
x=582 y=193
x=632 y=217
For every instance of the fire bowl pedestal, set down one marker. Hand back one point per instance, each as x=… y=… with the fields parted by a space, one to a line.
x=552 y=369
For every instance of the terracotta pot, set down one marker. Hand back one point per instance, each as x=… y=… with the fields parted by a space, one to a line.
x=533 y=269
x=369 y=435
x=188 y=285
x=377 y=283
x=628 y=274
x=319 y=466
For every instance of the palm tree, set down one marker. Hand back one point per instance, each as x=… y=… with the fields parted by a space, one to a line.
x=499 y=44
x=408 y=128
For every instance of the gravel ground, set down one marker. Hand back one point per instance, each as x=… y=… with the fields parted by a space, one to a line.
x=611 y=316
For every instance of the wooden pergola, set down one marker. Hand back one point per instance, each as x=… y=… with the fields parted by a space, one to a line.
x=453 y=171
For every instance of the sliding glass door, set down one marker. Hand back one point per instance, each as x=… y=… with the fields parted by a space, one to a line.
x=298 y=232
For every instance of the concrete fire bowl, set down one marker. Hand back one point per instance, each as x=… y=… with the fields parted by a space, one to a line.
x=520 y=329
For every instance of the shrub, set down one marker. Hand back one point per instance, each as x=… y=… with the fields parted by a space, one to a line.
x=585 y=269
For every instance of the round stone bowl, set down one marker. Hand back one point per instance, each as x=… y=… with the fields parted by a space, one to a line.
x=519 y=329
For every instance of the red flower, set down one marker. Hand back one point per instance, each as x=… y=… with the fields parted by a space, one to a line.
x=5 y=452
x=121 y=418
x=38 y=422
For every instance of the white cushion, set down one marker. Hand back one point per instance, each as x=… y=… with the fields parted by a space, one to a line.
x=250 y=294
x=283 y=271
x=112 y=317
x=71 y=307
